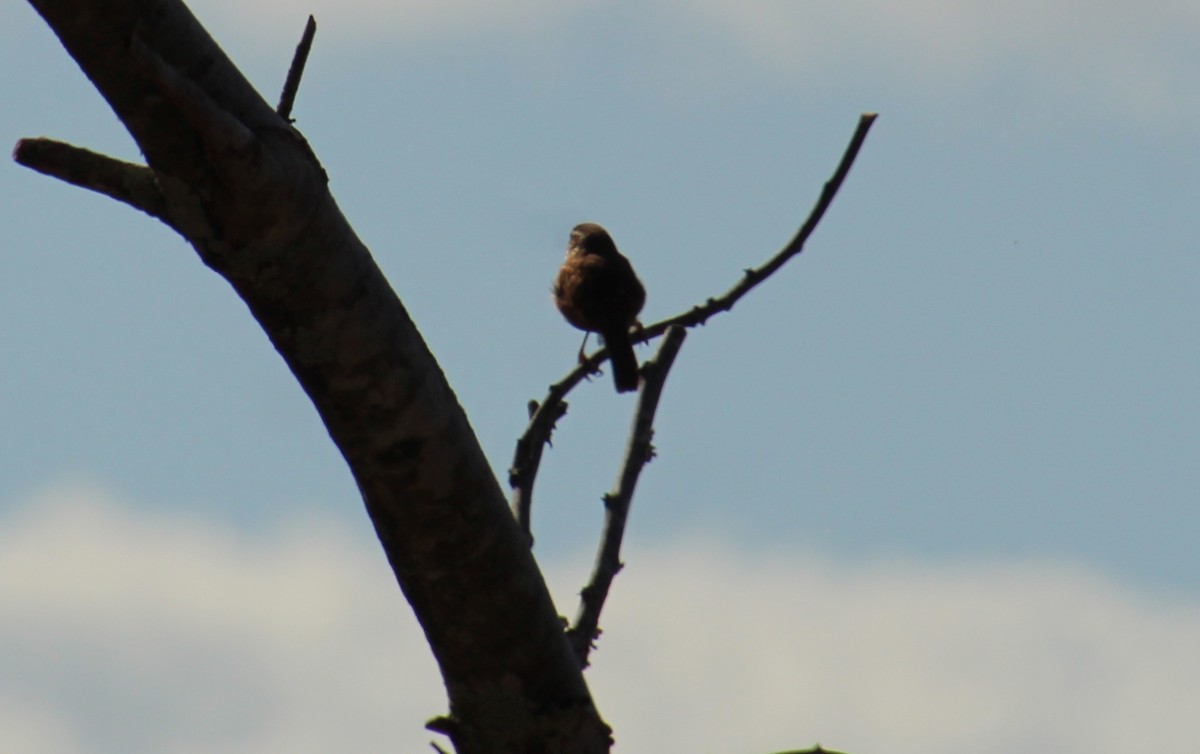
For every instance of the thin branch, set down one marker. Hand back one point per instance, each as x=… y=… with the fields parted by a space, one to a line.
x=292 y=84
x=528 y=457
x=698 y=315
x=542 y=420
x=638 y=453
x=528 y=452
x=126 y=182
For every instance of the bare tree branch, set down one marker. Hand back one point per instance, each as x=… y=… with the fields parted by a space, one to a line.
x=698 y=315
x=244 y=188
x=638 y=452
x=292 y=84
x=126 y=182
x=527 y=456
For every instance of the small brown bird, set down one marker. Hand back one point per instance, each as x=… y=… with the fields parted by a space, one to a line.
x=598 y=291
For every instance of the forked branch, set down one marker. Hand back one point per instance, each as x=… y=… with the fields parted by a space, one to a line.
x=528 y=453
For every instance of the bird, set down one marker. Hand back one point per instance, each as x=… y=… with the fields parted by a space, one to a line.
x=597 y=291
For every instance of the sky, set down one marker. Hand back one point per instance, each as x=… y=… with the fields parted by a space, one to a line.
x=932 y=487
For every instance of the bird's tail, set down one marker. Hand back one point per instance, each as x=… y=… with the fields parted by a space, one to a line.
x=624 y=360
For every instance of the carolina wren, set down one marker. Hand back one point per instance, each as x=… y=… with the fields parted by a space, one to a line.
x=597 y=291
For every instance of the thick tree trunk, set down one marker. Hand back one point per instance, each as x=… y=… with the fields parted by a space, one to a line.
x=243 y=187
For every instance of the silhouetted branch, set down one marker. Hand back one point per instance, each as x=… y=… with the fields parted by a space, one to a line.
x=126 y=182
x=292 y=84
x=250 y=197
x=527 y=456
x=698 y=315
x=638 y=453
x=527 y=459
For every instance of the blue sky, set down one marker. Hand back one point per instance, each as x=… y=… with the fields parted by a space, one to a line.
x=982 y=372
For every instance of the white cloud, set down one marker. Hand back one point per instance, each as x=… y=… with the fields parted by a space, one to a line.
x=156 y=632
x=32 y=727
x=778 y=651
x=150 y=631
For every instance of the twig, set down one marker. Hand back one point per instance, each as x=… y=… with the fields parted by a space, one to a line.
x=527 y=456
x=698 y=315
x=126 y=182
x=292 y=84
x=638 y=453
